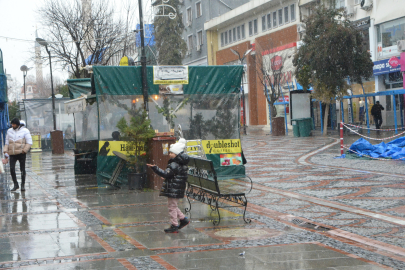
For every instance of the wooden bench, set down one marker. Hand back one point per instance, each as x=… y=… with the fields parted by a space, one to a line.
x=203 y=185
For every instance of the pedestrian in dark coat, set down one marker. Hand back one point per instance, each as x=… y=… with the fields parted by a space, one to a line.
x=376 y=112
x=174 y=184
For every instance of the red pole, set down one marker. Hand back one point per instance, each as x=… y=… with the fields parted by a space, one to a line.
x=341 y=138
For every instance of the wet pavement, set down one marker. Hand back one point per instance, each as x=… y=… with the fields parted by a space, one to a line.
x=308 y=211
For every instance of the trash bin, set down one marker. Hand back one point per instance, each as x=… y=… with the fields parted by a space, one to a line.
x=278 y=127
x=159 y=155
x=296 y=128
x=305 y=127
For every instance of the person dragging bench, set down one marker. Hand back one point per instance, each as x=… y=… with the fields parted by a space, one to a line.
x=18 y=143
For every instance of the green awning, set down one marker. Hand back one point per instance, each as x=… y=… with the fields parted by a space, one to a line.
x=114 y=80
x=77 y=87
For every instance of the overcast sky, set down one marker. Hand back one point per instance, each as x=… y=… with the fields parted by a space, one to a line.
x=18 y=19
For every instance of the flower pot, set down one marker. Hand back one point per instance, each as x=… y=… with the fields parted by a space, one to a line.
x=136 y=180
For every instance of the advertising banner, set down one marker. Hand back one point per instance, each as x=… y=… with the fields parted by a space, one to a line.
x=387 y=66
x=219 y=146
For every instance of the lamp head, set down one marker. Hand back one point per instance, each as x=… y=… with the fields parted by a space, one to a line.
x=42 y=42
x=247 y=52
x=24 y=68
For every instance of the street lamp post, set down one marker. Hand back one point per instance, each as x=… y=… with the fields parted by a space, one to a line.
x=143 y=60
x=241 y=59
x=45 y=44
x=56 y=135
x=24 y=69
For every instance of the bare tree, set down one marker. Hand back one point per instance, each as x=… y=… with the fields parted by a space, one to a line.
x=14 y=87
x=80 y=35
x=46 y=90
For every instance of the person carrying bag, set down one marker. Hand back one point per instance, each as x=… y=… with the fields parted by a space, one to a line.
x=18 y=143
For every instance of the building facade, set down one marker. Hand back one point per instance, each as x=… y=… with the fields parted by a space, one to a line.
x=195 y=14
x=269 y=28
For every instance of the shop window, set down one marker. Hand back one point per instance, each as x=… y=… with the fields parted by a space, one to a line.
x=292 y=11
x=189 y=43
x=280 y=17
x=264 y=23
x=189 y=16
x=269 y=21
x=242 y=28
x=198 y=9
x=387 y=36
x=393 y=80
x=199 y=40
x=286 y=15
x=388 y=103
x=340 y=4
x=255 y=26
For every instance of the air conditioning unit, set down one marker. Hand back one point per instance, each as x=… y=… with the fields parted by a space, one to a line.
x=301 y=27
x=366 y=4
x=350 y=11
x=401 y=45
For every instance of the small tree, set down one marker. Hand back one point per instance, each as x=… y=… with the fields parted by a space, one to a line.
x=170 y=46
x=198 y=127
x=137 y=134
x=270 y=76
x=331 y=53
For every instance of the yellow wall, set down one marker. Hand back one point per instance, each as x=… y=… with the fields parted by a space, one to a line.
x=212 y=47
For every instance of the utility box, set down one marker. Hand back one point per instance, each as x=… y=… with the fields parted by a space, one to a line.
x=158 y=155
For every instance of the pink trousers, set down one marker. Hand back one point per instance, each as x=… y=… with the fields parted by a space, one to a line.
x=174 y=212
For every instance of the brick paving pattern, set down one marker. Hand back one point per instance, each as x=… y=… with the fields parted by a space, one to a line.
x=304 y=204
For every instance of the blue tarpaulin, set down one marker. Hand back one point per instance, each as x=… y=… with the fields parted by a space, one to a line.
x=392 y=150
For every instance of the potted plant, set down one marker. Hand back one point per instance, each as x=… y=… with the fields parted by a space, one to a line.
x=136 y=133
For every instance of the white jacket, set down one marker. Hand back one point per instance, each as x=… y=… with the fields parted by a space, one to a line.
x=18 y=140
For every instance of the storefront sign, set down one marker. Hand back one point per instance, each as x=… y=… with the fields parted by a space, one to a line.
x=286 y=99
x=106 y=148
x=218 y=146
x=387 y=66
x=170 y=75
x=276 y=63
x=394 y=62
x=75 y=105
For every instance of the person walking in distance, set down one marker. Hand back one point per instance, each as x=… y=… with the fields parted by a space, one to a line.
x=18 y=143
x=376 y=113
x=174 y=184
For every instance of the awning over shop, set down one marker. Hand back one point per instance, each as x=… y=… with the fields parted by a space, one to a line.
x=78 y=87
x=110 y=80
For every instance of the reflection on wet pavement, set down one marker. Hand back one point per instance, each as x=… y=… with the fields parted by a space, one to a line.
x=65 y=221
